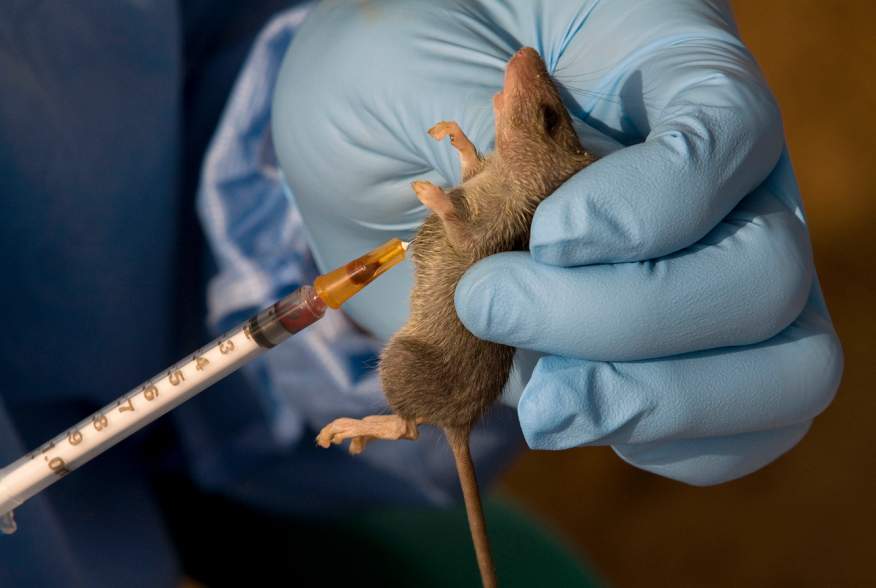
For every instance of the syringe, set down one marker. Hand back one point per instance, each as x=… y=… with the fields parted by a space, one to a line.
x=151 y=399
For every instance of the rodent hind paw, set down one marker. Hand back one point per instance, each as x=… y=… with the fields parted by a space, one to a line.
x=361 y=432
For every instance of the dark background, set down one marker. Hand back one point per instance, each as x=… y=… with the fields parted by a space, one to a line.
x=809 y=519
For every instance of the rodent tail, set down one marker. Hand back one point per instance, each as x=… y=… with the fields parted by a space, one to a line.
x=458 y=440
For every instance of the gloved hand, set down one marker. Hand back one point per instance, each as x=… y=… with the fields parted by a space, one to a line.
x=669 y=293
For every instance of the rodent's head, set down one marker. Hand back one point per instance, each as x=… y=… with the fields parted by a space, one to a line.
x=537 y=150
x=529 y=112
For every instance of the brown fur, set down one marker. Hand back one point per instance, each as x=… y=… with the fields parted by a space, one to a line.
x=434 y=370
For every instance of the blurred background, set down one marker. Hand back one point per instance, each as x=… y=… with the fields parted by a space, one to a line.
x=808 y=519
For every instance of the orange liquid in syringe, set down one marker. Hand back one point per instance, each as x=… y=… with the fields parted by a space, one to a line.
x=337 y=286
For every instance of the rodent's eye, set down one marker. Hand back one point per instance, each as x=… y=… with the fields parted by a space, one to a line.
x=551 y=119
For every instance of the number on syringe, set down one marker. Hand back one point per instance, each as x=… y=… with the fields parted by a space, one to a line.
x=175 y=377
x=226 y=347
x=150 y=392
x=57 y=465
x=125 y=405
x=99 y=422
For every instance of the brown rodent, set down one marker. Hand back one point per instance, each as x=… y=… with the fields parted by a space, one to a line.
x=434 y=371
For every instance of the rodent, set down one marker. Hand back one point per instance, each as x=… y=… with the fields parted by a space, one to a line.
x=433 y=370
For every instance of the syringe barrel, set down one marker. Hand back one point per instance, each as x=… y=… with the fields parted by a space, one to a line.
x=145 y=403
x=155 y=397
x=341 y=284
x=289 y=315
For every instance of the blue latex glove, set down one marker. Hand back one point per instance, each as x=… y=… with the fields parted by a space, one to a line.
x=703 y=363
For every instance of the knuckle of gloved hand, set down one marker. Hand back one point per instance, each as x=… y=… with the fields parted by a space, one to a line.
x=757 y=123
x=783 y=272
x=824 y=364
x=727 y=116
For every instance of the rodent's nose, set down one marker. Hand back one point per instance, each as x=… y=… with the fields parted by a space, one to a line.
x=525 y=64
x=526 y=57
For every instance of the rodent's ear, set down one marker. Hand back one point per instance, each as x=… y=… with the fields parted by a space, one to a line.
x=550 y=119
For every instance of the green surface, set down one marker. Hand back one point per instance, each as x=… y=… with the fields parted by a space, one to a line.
x=433 y=548
x=223 y=543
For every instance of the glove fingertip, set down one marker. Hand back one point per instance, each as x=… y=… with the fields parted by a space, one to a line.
x=571 y=229
x=492 y=297
x=556 y=254
x=551 y=224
